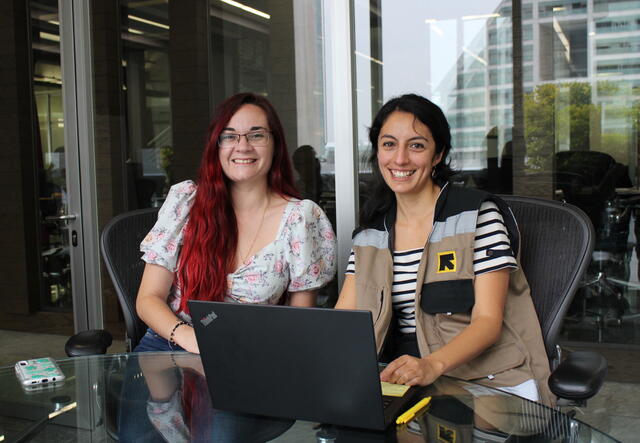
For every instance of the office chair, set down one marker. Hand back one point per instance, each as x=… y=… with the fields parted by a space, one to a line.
x=588 y=179
x=555 y=250
x=120 y=246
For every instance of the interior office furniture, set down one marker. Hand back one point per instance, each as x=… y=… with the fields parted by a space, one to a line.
x=77 y=409
x=556 y=245
x=120 y=247
x=589 y=180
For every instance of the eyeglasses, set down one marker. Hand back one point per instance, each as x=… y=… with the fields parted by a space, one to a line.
x=256 y=139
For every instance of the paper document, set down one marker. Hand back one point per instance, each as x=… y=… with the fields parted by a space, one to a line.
x=393 y=390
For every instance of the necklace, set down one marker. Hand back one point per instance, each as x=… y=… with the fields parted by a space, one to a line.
x=255 y=237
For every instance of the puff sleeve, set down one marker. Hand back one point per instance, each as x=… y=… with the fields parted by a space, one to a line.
x=162 y=244
x=311 y=249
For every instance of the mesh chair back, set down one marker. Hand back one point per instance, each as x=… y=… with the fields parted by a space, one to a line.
x=120 y=244
x=556 y=245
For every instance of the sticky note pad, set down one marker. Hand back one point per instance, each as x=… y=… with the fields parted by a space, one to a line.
x=393 y=390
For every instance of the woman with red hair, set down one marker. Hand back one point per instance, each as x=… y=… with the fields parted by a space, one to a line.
x=240 y=235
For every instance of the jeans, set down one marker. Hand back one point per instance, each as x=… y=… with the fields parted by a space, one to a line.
x=152 y=342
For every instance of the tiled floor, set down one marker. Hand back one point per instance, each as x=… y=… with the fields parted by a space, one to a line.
x=619 y=316
x=615 y=410
x=17 y=346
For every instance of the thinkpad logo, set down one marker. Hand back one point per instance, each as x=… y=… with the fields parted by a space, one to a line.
x=207 y=319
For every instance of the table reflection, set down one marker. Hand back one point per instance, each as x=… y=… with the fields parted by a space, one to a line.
x=165 y=398
x=158 y=397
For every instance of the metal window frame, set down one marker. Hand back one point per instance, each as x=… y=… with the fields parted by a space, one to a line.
x=341 y=113
x=78 y=108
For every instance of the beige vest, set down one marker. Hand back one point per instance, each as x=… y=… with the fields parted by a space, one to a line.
x=445 y=296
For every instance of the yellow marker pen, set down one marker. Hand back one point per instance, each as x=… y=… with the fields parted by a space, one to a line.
x=411 y=412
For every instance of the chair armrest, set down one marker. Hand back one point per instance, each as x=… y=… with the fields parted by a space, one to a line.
x=579 y=377
x=93 y=341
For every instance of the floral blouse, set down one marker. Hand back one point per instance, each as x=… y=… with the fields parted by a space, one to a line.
x=302 y=257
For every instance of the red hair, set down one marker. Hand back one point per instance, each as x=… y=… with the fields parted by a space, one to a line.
x=211 y=234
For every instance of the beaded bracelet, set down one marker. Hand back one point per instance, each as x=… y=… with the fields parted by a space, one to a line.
x=172 y=341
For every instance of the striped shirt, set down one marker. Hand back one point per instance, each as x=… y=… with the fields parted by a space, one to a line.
x=491 y=233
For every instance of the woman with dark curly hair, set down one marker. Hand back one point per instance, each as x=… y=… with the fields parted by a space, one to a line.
x=437 y=265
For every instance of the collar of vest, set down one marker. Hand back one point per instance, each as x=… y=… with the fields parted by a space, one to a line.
x=453 y=200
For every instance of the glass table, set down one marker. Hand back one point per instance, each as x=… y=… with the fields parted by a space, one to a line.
x=163 y=397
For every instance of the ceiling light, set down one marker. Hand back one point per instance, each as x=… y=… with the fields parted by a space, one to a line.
x=474 y=55
x=47 y=79
x=148 y=22
x=368 y=57
x=135 y=31
x=49 y=36
x=247 y=8
x=481 y=16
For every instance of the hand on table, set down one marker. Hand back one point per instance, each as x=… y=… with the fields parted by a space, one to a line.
x=407 y=370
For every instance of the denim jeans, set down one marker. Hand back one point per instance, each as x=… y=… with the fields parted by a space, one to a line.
x=152 y=342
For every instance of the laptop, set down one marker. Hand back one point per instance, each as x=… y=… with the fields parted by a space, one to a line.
x=305 y=363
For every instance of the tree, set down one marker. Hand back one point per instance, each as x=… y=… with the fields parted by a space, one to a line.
x=564 y=114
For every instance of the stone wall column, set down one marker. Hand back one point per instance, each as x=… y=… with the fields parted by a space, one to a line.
x=189 y=61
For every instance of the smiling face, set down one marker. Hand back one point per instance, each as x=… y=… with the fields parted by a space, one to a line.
x=406 y=153
x=244 y=162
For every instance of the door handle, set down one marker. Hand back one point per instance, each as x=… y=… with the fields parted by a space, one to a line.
x=64 y=217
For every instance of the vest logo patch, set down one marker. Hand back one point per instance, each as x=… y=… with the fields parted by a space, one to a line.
x=446 y=262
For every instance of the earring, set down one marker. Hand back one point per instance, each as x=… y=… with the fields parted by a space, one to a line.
x=433 y=172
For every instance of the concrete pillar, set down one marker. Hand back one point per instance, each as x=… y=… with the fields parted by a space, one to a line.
x=109 y=127
x=19 y=227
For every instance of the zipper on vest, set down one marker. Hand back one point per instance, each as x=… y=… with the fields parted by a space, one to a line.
x=379 y=310
x=385 y=338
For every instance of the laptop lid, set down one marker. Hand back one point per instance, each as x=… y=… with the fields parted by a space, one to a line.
x=306 y=363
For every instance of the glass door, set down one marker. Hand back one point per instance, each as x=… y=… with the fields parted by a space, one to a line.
x=52 y=181
x=36 y=226
x=42 y=228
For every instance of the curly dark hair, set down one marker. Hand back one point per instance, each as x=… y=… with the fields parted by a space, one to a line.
x=425 y=111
